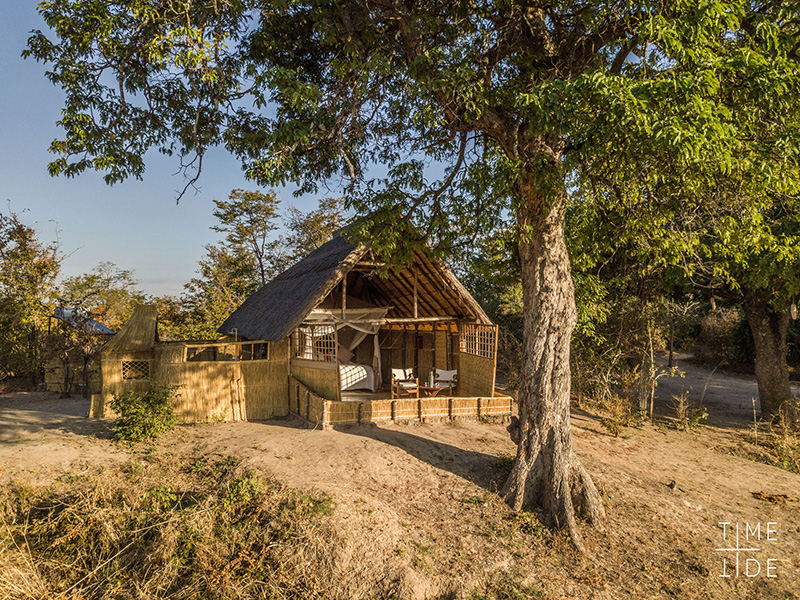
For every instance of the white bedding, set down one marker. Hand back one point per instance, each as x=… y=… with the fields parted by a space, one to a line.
x=356 y=377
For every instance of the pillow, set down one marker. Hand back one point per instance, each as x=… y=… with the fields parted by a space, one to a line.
x=344 y=355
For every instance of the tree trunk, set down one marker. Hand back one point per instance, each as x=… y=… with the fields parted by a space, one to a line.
x=671 y=343
x=772 y=370
x=546 y=472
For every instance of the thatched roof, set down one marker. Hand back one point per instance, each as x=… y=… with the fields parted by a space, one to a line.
x=280 y=306
x=137 y=335
x=276 y=309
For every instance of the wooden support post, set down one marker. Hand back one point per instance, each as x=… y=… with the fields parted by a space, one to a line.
x=435 y=365
x=494 y=366
x=297 y=397
x=308 y=402
x=449 y=347
x=394 y=410
x=480 y=406
x=416 y=302
x=344 y=296
x=419 y=408
x=450 y=408
x=336 y=361
x=325 y=413
x=360 y=413
x=403 y=348
x=417 y=341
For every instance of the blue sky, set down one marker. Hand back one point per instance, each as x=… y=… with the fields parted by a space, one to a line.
x=136 y=224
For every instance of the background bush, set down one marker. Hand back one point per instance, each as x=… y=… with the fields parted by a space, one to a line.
x=721 y=333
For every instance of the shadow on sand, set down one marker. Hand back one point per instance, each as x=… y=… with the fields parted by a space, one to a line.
x=22 y=415
x=488 y=471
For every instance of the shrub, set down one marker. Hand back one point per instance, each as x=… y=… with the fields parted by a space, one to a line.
x=144 y=415
x=687 y=416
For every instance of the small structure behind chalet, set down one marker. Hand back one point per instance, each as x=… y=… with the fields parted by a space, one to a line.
x=325 y=340
x=72 y=367
x=219 y=380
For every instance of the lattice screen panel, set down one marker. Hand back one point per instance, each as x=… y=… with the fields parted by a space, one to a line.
x=478 y=339
x=135 y=369
x=315 y=342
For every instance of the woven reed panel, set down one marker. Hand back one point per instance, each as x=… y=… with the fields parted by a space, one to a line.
x=377 y=410
x=426 y=355
x=435 y=408
x=343 y=412
x=112 y=383
x=441 y=350
x=465 y=407
x=323 y=382
x=265 y=383
x=497 y=406
x=206 y=390
x=54 y=376
x=406 y=410
x=475 y=375
x=316 y=407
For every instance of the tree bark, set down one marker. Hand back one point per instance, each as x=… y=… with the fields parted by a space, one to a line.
x=772 y=370
x=546 y=472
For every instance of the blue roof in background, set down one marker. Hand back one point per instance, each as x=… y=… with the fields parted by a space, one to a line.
x=78 y=318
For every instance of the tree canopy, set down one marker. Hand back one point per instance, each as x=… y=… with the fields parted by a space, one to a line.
x=107 y=293
x=28 y=272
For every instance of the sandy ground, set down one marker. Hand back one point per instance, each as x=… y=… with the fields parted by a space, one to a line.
x=419 y=516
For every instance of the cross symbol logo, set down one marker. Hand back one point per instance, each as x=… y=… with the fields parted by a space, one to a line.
x=752 y=566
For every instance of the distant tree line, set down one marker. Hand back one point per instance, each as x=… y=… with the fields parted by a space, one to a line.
x=258 y=243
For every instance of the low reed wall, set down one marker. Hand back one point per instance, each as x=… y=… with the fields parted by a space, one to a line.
x=332 y=413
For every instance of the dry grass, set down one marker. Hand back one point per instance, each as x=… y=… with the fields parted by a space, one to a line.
x=687 y=416
x=167 y=529
x=776 y=443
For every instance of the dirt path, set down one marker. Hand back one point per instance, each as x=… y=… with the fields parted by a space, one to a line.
x=43 y=434
x=729 y=398
x=416 y=507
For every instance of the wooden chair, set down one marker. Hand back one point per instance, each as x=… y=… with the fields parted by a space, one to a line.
x=445 y=379
x=404 y=382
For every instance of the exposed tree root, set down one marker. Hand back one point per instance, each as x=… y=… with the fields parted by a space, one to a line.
x=549 y=475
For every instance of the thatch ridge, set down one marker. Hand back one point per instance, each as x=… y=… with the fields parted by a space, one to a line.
x=138 y=334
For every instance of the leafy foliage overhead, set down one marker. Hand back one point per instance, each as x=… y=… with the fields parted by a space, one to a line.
x=452 y=99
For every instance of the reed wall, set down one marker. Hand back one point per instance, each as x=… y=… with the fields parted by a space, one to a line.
x=331 y=413
x=54 y=377
x=306 y=403
x=113 y=382
x=320 y=377
x=206 y=390
x=441 y=349
x=226 y=390
x=475 y=375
